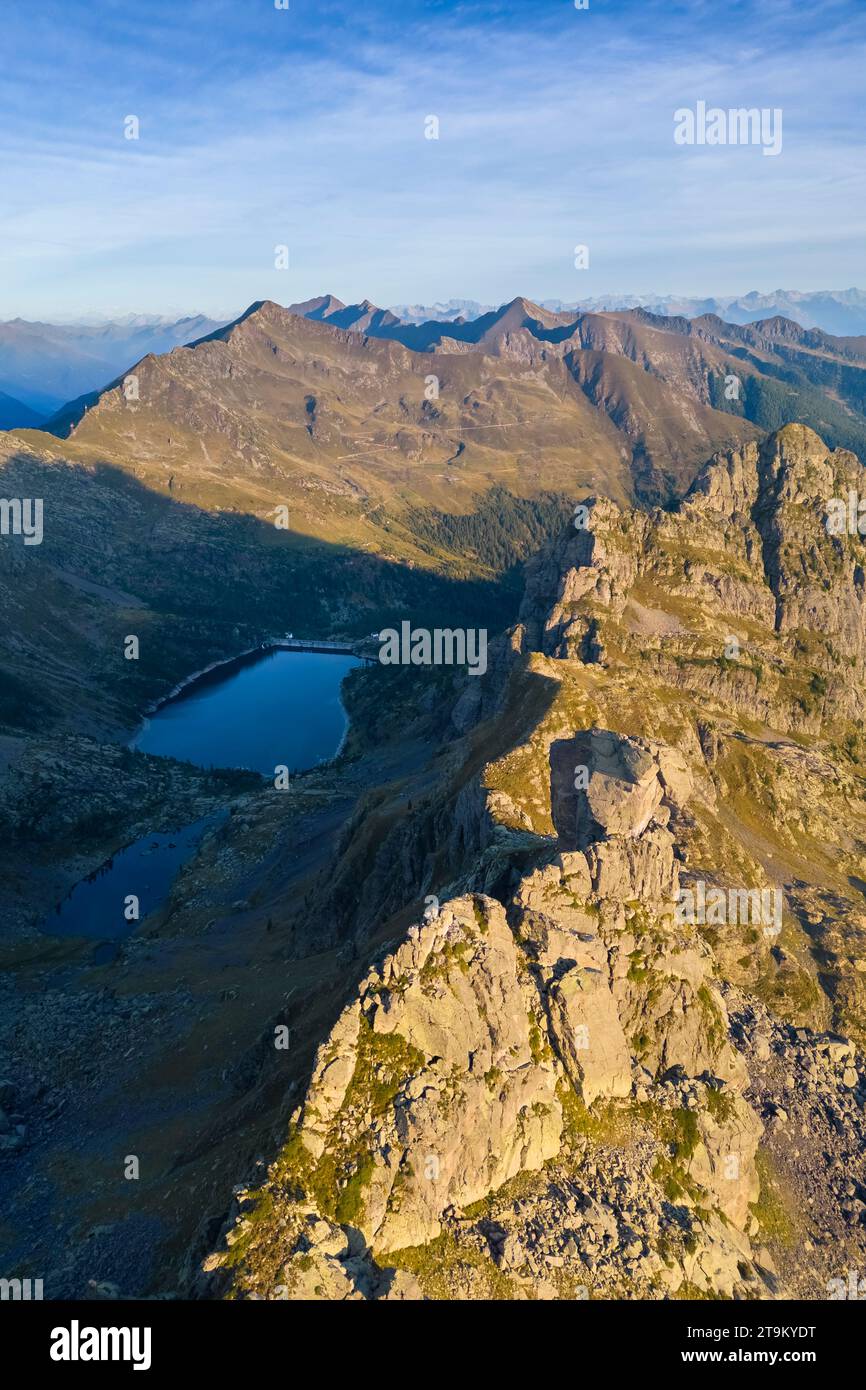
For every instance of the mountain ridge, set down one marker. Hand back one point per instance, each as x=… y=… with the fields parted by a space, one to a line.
x=487 y=380
x=662 y=393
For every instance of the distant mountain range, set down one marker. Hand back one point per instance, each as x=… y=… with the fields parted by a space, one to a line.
x=640 y=369
x=45 y=366
x=836 y=311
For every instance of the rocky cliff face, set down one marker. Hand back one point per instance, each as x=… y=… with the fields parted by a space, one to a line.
x=753 y=553
x=617 y=1053
x=468 y=1070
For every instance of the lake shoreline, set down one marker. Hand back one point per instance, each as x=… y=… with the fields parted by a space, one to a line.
x=239 y=658
x=226 y=670
x=164 y=700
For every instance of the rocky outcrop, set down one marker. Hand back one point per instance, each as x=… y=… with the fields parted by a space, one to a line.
x=454 y=1069
x=449 y=1075
x=604 y=785
x=433 y=1072
x=593 y=566
x=761 y=550
x=586 y=1030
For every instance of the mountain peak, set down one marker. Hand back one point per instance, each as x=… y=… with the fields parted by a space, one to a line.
x=318 y=308
x=521 y=305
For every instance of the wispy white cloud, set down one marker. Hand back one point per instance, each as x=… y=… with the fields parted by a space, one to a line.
x=305 y=127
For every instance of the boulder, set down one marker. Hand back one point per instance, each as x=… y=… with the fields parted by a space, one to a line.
x=605 y=784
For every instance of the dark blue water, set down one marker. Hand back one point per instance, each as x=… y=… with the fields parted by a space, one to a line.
x=270 y=709
x=147 y=869
x=281 y=708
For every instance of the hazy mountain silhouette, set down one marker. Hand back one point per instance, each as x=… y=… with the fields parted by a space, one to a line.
x=16 y=415
x=44 y=364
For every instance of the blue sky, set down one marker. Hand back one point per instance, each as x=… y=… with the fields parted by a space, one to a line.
x=305 y=127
